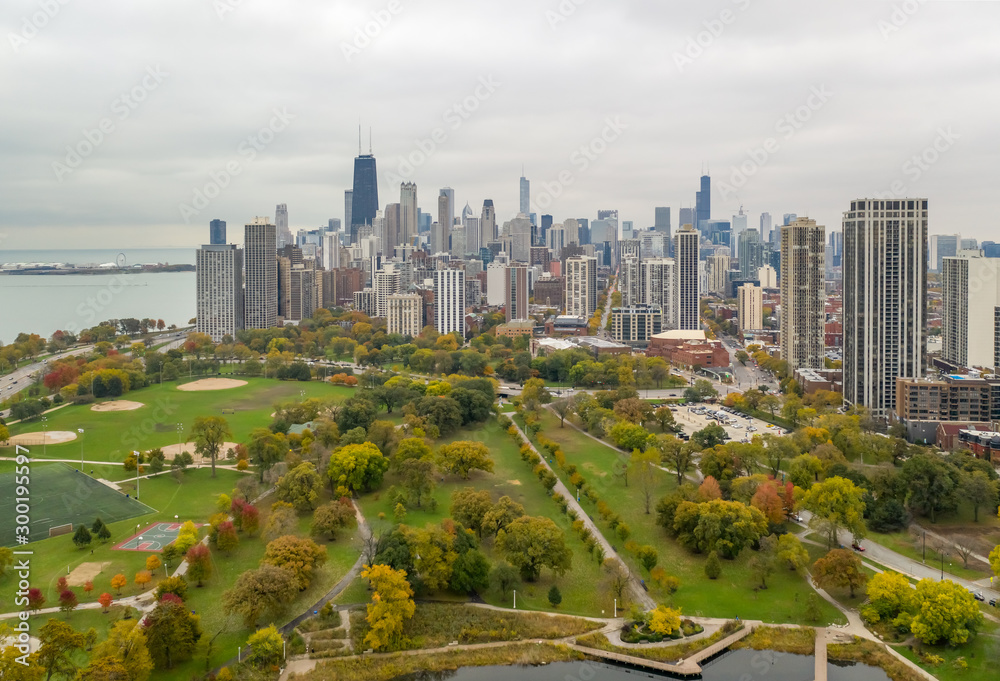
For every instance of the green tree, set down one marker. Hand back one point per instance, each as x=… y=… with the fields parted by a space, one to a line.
x=501 y=514
x=6 y=559
x=718 y=525
x=417 y=478
x=979 y=490
x=301 y=487
x=647 y=556
x=59 y=644
x=839 y=568
x=124 y=652
x=469 y=506
x=266 y=645
x=300 y=555
x=504 y=577
x=791 y=552
x=665 y=418
x=82 y=536
x=555 y=597
x=562 y=408
x=390 y=608
x=763 y=561
x=645 y=474
x=836 y=503
x=677 y=455
x=172 y=632
x=889 y=594
x=708 y=437
x=266 y=449
x=462 y=456
x=470 y=572
x=209 y=433
x=933 y=485
x=948 y=613
x=332 y=517
x=357 y=468
x=713 y=566
x=532 y=543
x=262 y=593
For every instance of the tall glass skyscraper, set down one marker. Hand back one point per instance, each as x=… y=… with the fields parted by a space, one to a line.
x=703 y=202
x=217 y=232
x=364 y=199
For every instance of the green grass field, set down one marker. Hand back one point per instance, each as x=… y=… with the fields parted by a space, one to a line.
x=512 y=477
x=784 y=600
x=980 y=653
x=110 y=436
x=59 y=495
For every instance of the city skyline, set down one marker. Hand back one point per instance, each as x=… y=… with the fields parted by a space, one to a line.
x=786 y=140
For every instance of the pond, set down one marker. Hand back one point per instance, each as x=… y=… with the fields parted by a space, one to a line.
x=737 y=665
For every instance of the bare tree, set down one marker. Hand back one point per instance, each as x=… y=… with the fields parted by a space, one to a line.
x=964 y=548
x=562 y=408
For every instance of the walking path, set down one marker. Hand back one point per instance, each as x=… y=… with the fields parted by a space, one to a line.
x=638 y=592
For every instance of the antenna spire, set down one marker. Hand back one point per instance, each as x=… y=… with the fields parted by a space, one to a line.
x=369 y=141
x=359 y=138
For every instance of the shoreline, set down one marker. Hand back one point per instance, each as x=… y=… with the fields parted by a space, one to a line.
x=63 y=271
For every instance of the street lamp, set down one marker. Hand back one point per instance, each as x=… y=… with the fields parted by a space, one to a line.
x=180 y=429
x=45 y=436
x=81 y=448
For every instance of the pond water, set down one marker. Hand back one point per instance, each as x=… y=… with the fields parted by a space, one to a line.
x=737 y=665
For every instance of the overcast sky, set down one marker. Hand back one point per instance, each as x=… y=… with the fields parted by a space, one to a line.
x=181 y=86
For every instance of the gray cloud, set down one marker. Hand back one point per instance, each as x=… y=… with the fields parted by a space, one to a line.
x=894 y=86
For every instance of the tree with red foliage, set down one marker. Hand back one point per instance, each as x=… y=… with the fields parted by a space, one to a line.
x=68 y=601
x=88 y=587
x=61 y=584
x=199 y=560
x=250 y=519
x=105 y=600
x=226 y=538
x=768 y=501
x=35 y=599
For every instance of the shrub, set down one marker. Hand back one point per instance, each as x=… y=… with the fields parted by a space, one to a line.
x=713 y=566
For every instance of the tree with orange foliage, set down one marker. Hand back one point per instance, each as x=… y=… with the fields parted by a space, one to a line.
x=769 y=502
x=709 y=489
x=105 y=600
x=118 y=582
x=142 y=578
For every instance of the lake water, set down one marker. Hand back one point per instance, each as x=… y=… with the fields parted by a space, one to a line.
x=737 y=665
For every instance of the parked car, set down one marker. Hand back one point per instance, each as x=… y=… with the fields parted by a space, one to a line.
x=978 y=595
x=858 y=547
x=993 y=602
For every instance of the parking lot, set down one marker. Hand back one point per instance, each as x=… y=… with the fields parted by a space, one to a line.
x=735 y=425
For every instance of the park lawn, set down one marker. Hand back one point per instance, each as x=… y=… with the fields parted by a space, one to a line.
x=980 y=653
x=193 y=499
x=110 y=436
x=902 y=543
x=511 y=477
x=784 y=600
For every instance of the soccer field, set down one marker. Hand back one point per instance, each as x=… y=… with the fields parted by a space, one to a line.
x=59 y=495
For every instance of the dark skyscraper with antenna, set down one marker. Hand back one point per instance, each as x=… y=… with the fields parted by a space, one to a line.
x=703 y=203
x=364 y=202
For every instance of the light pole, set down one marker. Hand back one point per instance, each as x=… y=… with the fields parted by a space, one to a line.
x=515 y=599
x=81 y=449
x=180 y=429
x=45 y=436
x=138 y=466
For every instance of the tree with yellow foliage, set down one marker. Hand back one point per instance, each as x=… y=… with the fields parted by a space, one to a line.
x=392 y=605
x=664 y=620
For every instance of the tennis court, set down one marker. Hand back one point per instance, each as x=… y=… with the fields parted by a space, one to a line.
x=153 y=538
x=60 y=495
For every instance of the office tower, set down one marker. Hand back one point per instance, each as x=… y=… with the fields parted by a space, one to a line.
x=259 y=255
x=525 y=202
x=968 y=245
x=970 y=287
x=496 y=280
x=991 y=249
x=219 y=290
x=519 y=230
x=885 y=300
x=331 y=251
x=544 y=230
x=283 y=234
x=686 y=217
x=393 y=226
x=487 y=223
x=364 y=200
x=788 y=218
x=803 y=306
x=751 y=252
x=768 y=277
x=424 y=221
x=765 y=226
x=333 y=225
x=943 y=246
x=739 y=225
x=450 y=194
x=404 y=314
x=408 y=214
x=348 y=207
x=654 y=244
x=661 y=220
x=385 y=283
x=686 y=270
x=440 y=230
x=750 y=307
x=631 y=281
x=556 y=240
x=717 y=270
x=516 y=292
x=608 y=214
x=572 y=229
x=719 y=232
x=584 y=224
x=835 y=246
x=457 y=248
x=627 y=229
x=449 y=301
x=629 y=248
x=581 y=286
x=217 y=232
x=657 y=284
x=472 y=237
x=703 y=203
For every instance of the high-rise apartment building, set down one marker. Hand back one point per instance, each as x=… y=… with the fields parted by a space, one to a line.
x=516 y=292
x=524 y=205
x=686 y=270
x=750 y=307
x=385 y=283
x=364 y=199
x=450 y=194
x=703 y=203
x=219 y=290
x=581 y=286
x=738 y=225
x=393 y=228
x=408 y=214
x=970 y=286
x=261 y=262
x=630 y=284
x=885 y=301
x=943 y=246
x=348 y=209
x=217 y=232
x=765 y=226
x=803 y=307
x=519 y=231
x=717 y=267
x=751 y=251
x=657 y=284
x=496 y=279
x=404 y=313
x=661 y=220
x=449 y=301
x=283 y=234
x=441 y=235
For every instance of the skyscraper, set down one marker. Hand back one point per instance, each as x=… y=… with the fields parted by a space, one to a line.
x=657 y=283
x=803 y=308
x=283 y=235
x=738 y=226
x=487 y=223
x=661 y=220
x=970 y=286
x=364 y=199
x=750 y=307
x=393 y=228
x=450 y=194
x=765 y=226
x=516 y=292
x=217 y=232
x=885 y=300
x=581 y=286
x=408 y=213
x=449 y=301
x=686 y=271
x=404 y=314
x=525 y=203
x=751 y=252
x=260 y=256
x=440 y=235
x=943 y=246
x=219 y=290
x=718 y=273
x=348 y=207
x=703 y=203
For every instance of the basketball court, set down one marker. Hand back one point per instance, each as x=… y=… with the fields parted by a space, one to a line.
x=153 y=538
